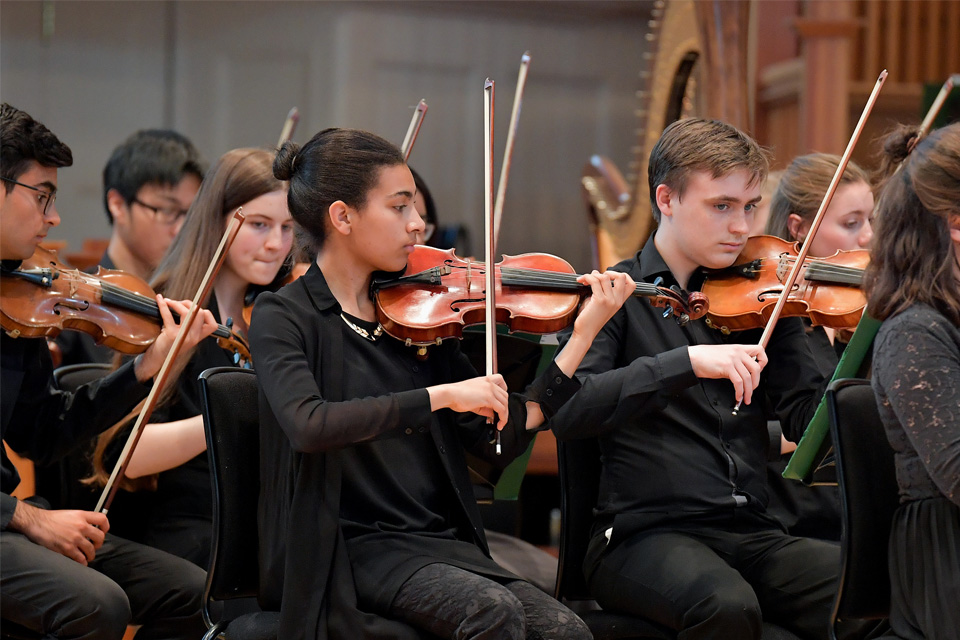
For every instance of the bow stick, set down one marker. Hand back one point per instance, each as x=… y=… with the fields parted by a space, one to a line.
x=805 y=248
x=508 y=152
x=110 y=489
x=489 y=241
x=414 y=129
x=945 y=90
x=288 y=126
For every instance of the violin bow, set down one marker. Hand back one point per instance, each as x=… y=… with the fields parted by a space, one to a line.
x=110 y=489
x=508 y=152
x=489 y=241
x=828 y=196
x=293 y=117
x=934 y=109
x=414 y=129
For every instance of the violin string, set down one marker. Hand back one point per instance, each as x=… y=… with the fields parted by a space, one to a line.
x=534 y=277
x=133 y=301
x=821 y=264
x=823 y=269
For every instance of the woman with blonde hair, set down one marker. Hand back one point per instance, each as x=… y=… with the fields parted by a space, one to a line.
x=170 y=457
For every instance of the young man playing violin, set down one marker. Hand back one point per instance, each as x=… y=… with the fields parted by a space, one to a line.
x=681 y=533
x=63 y=575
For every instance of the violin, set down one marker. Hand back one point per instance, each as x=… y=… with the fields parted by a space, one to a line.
x=827 y=291
x=44 y=297
x=439 y=294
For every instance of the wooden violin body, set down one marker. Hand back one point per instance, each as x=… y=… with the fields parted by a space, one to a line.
x=827 y=291
x=439 y=294
x=44 y=297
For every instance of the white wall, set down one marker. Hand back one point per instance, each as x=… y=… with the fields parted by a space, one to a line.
x=226 y=73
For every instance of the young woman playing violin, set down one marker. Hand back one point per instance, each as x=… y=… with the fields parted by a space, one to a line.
x=170 y=456
x=366 y=506
x=815 y=511
x=63 y=574
x=913 y=286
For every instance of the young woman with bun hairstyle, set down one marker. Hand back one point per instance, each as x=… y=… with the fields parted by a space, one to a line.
x=170 y=458
x=913 y=286
x=368 y=523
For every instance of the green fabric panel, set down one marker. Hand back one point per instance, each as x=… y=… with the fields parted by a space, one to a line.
x=508 y=487
x=814 y=444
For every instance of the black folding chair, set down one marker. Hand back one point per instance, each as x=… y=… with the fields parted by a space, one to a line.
x=231 y=421
x=869 y=495
x=579 y=462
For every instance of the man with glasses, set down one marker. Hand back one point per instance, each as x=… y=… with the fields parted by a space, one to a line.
x=149 y=183
x=61 y=573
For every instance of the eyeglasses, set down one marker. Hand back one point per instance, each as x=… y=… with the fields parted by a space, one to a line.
x=44 y=198
x=166 y=215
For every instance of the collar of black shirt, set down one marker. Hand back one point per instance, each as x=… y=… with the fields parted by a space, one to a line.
x=652 y=266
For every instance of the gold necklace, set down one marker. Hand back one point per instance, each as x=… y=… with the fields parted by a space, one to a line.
x=363 y=333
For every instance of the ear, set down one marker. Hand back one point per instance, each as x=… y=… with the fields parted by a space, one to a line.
x=662 y=198
x=117 y=206
x=955 y=235
x=797 y=227
x=339 y=214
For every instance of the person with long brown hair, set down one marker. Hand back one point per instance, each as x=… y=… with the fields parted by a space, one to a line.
x=913 y=286
x=815 y=511
x=170 y=457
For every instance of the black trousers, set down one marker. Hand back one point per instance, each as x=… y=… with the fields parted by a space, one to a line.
x=127 y=583
x=709 y=583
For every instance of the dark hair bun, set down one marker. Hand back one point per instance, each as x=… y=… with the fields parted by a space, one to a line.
x=897 y=145
x=283 y=164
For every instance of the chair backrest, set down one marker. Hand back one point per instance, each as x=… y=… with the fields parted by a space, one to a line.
x=231 y=421
x=579 y=466
x=868 y=497
x=72 y=376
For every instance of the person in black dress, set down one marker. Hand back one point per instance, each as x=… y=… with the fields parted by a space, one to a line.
x=61 y=573
x=913 y=286
x=681 y=533
x=170 y=458
x=368 y=524
x=846 y=226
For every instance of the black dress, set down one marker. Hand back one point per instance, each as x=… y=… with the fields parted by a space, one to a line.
x=916 y=375
x=361 y=484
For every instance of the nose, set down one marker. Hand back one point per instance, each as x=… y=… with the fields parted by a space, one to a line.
x=866 y=233
x=52 y=216
x=740 y=223
x=416 y=224
x=176 y=226
x=274 y=238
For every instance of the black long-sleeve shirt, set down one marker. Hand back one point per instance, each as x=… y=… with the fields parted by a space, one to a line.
x=43 y=423
x=672 y=450
x=361 y=484
x=916 y=375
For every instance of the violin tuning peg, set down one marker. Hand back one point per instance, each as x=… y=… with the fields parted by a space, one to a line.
x=668 y=311
x=683 y=319
x=229 y=323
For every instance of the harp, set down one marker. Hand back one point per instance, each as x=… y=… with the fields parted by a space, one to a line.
x=697 y=66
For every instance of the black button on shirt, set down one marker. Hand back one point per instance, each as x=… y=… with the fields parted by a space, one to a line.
x=672 y=448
